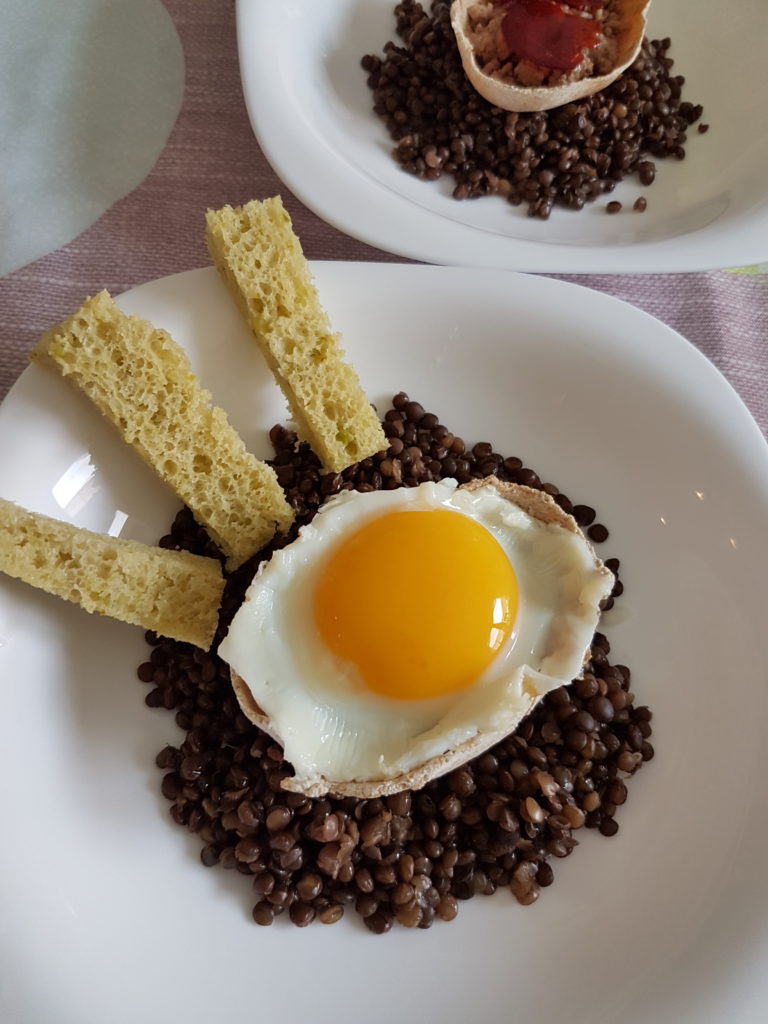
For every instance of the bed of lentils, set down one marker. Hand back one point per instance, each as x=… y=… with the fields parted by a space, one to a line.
x=568 y=156
x=497 y=822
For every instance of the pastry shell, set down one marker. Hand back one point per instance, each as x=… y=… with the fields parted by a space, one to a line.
x=632 y=15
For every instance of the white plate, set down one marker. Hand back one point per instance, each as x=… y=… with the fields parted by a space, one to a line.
x=107 y=914
x=311 y=110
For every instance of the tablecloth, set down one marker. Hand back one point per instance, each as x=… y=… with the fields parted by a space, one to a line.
x=211 y=158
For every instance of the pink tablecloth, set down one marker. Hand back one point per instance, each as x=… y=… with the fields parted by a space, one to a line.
x=212 y=158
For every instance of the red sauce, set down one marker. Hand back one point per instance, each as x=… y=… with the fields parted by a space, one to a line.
x=541 y=32
x=586 y=5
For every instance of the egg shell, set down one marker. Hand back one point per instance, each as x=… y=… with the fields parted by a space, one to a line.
x=633 y=17
x=539 y=506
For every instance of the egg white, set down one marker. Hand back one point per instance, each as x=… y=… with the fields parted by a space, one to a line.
x=335 y=730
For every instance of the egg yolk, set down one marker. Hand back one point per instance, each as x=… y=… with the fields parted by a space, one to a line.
x=418 y=601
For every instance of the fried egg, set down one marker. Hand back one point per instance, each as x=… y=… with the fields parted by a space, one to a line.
x=405 y=631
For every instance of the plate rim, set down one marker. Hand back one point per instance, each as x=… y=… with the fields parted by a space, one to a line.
x=675 y=337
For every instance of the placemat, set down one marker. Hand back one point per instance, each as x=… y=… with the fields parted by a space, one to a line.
x=212 y=158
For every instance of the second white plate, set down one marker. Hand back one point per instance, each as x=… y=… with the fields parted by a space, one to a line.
x=312 y=113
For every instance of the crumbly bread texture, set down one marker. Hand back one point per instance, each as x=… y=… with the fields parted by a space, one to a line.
x=259 y=256
x=172 y=592
x=141 y=380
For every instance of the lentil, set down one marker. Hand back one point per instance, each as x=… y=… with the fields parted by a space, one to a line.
x=566 y=156
x=410 y=857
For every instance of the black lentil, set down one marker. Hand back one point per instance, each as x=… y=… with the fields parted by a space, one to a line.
x=566 y=156
x=497 y=821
